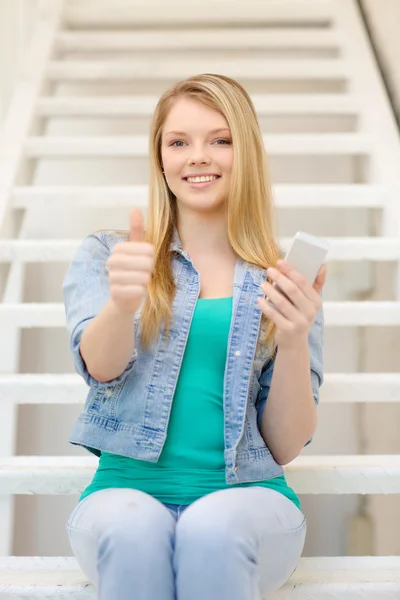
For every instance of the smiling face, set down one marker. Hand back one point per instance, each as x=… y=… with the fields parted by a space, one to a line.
x=197 y=155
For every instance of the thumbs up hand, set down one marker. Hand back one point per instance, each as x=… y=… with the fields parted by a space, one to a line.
x=130 y=267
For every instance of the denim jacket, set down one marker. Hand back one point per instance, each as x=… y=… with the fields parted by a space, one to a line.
x=129 y=415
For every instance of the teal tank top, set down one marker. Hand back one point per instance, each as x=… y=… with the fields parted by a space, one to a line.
x=191 y=464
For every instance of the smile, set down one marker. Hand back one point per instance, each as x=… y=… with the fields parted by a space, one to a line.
x=203 y=181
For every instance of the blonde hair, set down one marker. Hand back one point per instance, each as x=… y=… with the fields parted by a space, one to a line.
x=250 y=207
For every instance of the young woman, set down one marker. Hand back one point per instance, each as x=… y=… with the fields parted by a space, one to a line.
x=200 y=389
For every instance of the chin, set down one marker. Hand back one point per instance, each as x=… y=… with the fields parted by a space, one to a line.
x=203 y=207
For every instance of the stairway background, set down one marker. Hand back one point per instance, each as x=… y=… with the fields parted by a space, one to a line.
x=43 y=430
x=383 y=19
x=18 y=17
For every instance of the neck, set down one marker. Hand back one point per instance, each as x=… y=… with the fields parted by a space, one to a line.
x=204 y=234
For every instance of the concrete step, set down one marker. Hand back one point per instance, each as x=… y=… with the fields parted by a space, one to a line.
x=127 y=106
x=301 y=144
x=339 y=388
x=337 y=314
x=342 y=474
x=239 y=38
x=151 y=13
x=342 y=249
x=286 y=196
x=327 y=578
x=178 y=67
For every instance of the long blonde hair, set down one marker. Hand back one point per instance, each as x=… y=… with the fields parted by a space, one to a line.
x=250 y=207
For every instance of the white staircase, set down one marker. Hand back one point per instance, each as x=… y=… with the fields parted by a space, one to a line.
x=305 y=63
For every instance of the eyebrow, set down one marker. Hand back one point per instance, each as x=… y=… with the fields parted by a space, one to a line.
x=184 y=132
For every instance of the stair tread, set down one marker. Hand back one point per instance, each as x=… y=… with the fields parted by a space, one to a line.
x=342 y=248
x=308 y=474
x=78 y=14
x=290 y=195
x=241 y=38
x=328 y=576
x=337 y=314
x=286 y=144
x=272 y=104
x=183 y=66
x=70 y=388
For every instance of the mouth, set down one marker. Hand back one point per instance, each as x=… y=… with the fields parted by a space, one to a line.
x=201 y=181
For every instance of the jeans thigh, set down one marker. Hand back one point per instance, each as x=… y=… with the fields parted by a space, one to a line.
x=83 y=541
x=120 y=512
x=256 y=531
x=282 y=541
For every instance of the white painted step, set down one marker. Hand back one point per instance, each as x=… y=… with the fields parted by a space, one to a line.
x=286 y=196
x=179 y=67
x=71 y=389
x=198 y=39
x=322 y=578
x=175 y=13
x=337 y=314
x=357 y=474
x=265 y=104
x=283 y=144
x=342 y=249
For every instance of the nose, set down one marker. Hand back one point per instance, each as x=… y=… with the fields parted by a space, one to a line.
x=199 y=157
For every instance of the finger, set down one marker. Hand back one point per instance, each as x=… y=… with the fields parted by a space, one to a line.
x=136 y=226
x=289 y=287
x=279 y=301
x=320 y=279
x=272 y=313
x=129 y=278
x=125 y=262
x=136 y=249
x=294 y=277
x=127 y=292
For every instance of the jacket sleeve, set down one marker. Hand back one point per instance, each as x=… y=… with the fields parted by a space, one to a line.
x=315 y=344
x=86 y=290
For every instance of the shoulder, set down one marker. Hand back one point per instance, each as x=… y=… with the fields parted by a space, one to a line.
x=94 y=250
x=104 y=240
x=109 y=237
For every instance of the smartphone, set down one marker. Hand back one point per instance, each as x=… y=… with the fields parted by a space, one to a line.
x=306 y=254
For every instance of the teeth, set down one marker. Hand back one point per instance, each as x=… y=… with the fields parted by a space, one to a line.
x=201 y=179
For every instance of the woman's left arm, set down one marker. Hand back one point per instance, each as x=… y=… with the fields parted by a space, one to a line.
x=289 y=418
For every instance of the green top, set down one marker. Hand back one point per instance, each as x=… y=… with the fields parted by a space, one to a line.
x=191 y=464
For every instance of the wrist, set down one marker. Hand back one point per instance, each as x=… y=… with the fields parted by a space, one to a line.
x=298 y=344
x=118 y=312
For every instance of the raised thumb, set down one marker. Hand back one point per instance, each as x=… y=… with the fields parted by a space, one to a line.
x=136 y=226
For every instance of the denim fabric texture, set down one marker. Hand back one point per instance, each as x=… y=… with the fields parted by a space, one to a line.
x=129 y=415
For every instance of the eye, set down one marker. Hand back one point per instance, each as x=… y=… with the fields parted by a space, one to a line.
x=224 y=142
x=177 y=142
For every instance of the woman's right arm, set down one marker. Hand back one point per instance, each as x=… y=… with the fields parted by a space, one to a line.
x=102 y=291
x=107 y=343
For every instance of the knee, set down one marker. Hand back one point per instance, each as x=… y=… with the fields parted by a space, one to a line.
x=132 y=519
x=209 y=532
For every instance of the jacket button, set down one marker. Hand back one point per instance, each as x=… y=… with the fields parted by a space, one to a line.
x=237 y=353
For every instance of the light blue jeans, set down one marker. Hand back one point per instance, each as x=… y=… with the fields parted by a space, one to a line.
x=233 y=544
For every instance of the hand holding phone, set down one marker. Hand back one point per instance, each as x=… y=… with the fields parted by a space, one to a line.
x=306 y=255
